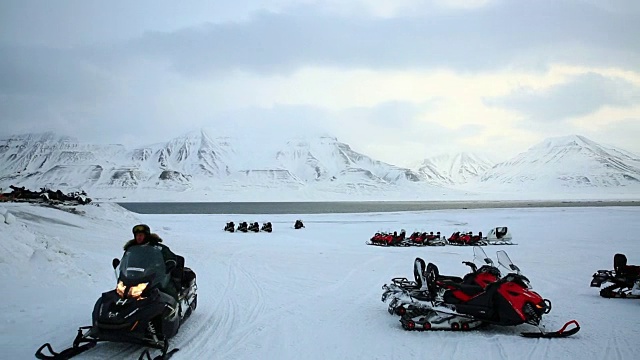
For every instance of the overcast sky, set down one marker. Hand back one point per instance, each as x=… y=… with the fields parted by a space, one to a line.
x=398 y=80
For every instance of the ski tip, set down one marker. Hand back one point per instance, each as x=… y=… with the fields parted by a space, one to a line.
x=562 y=333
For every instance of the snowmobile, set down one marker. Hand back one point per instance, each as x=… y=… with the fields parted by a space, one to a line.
x=624 y=279
x=406 y=295
x=298 y=225
x=465 y=239
x=230 y=227
x=242 y=227
x=386 y=239
x=508 y=301
x=266 y=227
x=424 y=239
x=254 y=227
x=138 y=310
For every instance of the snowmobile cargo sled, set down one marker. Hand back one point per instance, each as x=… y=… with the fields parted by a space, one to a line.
x=454 y=305
x=140 y=310
x=499 y=236
x=623 y=280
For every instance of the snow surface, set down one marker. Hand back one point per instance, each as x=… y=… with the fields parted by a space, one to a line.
x=314 y=293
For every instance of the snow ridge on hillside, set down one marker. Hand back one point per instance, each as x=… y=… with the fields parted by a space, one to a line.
x=569 y=161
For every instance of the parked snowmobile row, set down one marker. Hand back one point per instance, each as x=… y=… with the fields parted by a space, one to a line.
x=623 y=280
x=497 y=236
x=252 y=227
x=483 y=297
x=415 y=239
x=138 y=310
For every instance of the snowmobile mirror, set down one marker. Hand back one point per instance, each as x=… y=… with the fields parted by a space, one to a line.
x=488 y=261
x=115 y=263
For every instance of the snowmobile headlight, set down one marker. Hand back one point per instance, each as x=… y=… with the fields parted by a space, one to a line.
x=136 y=291
x=120 y=289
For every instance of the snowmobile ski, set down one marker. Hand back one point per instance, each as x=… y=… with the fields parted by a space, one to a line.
x=562 y=333
x=166 y=355
x=64 y=354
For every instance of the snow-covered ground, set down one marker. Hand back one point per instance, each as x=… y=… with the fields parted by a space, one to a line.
x=314 y=293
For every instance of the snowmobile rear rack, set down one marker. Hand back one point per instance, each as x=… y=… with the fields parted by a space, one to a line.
x=562 y=333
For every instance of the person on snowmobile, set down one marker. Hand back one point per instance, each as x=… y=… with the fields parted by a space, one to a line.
x=142 y=235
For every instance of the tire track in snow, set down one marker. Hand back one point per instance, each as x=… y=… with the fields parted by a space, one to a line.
x=219 y=333
x=249 y=317
x=219 y=317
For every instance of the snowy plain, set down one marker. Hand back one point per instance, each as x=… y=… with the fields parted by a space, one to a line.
x=314 y=293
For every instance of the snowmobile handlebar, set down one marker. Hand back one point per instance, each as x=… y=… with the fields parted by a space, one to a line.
x=473 y=266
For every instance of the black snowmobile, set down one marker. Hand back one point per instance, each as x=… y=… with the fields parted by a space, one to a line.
x=624 y=279
x=242 y=227
x=454 y=305
x=298 y=225
x=254 y=227
x=138 y=311
x=266 y=227
x=230 y=227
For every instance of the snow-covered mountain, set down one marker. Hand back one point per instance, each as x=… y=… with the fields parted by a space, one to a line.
x=205 y=165
x=451 y=169
x=567 y=162
x=197 y=160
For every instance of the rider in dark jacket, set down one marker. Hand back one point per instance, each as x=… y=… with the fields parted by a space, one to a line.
x=143 y=236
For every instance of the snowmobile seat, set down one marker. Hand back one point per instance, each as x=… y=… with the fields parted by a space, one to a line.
x=188 y=276
x=178 y=272
x=619 y=263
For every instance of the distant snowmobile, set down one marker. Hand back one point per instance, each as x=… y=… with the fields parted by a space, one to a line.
x=254 y=227
x=624 y=279
x=138 y=311
x=230 y=227
x=424 y=239
x=448 y=303
x=497 y=236
x=242 y=227
x=387 y=239
x=266 y=227
x=298 y=225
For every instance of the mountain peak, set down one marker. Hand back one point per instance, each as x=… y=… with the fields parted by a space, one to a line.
x=568 y=161
x=569 y=140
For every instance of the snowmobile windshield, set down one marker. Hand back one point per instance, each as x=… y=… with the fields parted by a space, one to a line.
x=480 y=258
x=505 y=261
x=141 y=264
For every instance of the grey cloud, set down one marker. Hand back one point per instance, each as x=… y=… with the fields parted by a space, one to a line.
x=583 y=95
x=529 y=34
x=50 y=72
x=390 y=114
